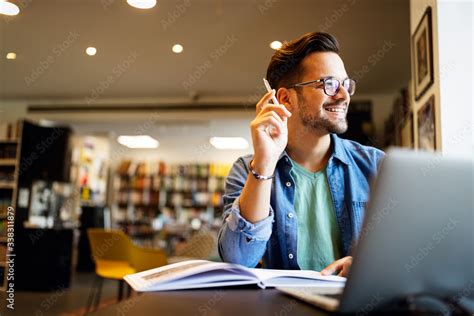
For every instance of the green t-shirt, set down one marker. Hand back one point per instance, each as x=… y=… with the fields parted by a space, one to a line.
x=319 y=238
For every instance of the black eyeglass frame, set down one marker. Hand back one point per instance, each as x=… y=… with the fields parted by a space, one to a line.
x=323 y=80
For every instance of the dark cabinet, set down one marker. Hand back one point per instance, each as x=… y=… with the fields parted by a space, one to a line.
x=43 y=260
x=45 y=153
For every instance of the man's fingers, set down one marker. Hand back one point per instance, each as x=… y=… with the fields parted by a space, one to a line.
x=342 y=264
x=264 y=100
x=271 y=121
x=346 y=267
x=333 y=267
x=275 y=115
x=282 y=128
x=263 y=104
x=345 y=270
x=278 y=108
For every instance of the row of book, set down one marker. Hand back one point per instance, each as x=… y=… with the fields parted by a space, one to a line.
x=192 y=170
x=9 y=131
x=175 y=183
x=8 y=151
x=7 y=175
x=146 y=199
x=5 y=202
x=3 y=231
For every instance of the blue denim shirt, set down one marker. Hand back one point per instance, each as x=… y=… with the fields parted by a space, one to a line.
x=349 y=171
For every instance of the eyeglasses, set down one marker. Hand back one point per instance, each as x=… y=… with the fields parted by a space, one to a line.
x=331 y=85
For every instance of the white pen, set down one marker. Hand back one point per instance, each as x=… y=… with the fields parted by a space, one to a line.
x=267 y=85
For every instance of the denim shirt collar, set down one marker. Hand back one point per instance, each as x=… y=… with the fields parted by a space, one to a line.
x=338 y=151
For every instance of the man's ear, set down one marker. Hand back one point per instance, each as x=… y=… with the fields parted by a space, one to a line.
x=284 y=97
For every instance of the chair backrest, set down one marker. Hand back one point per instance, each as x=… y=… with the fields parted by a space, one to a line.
x=147 y=258
x=199 y=246
x=109 y=244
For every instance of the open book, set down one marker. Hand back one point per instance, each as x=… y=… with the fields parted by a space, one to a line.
x=201 y=274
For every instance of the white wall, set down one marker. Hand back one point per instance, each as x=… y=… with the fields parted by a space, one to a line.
x=452 y=61
x=455 y=36
x=11 y=111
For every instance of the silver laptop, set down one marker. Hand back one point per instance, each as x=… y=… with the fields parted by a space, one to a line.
x=417 y=237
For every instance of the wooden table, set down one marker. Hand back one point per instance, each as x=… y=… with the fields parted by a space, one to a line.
x=212 y=302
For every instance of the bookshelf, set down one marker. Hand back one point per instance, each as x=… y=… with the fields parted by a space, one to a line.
x=153 y=194
x=10 y=145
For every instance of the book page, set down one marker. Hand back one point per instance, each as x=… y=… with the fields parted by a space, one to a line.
x=173 y=271
x=202 y=273
x=190 y=272
x=273 y=274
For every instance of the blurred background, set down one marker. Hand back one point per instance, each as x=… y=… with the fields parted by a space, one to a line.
x=113 y=116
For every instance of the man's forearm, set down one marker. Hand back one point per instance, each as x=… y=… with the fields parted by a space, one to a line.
x=255 y=197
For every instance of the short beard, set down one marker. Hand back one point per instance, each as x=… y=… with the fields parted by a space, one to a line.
x=320 y=124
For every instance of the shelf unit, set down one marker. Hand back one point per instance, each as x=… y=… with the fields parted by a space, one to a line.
x=7 y=185
x=178 y=193
x=9 y=168
x=8 y=162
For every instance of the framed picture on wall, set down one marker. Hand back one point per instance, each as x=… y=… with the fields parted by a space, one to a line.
x=422 y=44
x=427 y=125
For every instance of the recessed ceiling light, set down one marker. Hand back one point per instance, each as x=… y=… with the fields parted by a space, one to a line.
x=8 y=8
x=91 y=51
x=177 y=48
x=142 y=4
x=138 y=141
x=275 y=45
x=229 y=142
x=11 y=55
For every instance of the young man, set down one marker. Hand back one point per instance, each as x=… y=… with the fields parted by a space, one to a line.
x=298 y=202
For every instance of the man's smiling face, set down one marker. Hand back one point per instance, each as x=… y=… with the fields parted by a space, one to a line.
x=318 y=111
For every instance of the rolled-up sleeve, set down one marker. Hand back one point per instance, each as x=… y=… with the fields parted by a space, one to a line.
x=241 y=241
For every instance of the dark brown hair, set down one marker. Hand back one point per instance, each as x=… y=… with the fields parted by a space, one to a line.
x=285 y=66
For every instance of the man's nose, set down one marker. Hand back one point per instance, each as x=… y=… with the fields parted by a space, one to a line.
x=342 y=94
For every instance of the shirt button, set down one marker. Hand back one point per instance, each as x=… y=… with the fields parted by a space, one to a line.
x=290 y=215
x=290 y=256
x=288 y=184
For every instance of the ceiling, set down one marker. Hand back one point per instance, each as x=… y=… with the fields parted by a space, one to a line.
x=226 y=46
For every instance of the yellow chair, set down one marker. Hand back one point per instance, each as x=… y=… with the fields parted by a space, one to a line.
x=115 y=256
